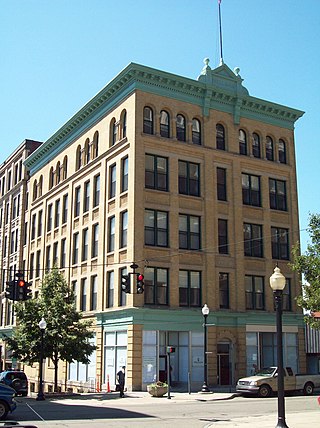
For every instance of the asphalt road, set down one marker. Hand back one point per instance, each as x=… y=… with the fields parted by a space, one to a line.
x=183 y=410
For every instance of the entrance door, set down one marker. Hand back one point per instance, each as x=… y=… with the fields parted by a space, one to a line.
x=224 y=364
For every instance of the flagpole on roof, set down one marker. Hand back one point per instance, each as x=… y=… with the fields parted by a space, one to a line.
x=220 y=31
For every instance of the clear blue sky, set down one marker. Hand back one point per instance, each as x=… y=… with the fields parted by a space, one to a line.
x=57 y=54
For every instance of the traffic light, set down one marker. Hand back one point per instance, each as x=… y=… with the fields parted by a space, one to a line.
x=170 y=349
x=11 y=290
x=140 y=283
x=125 y=283
x=23 y=290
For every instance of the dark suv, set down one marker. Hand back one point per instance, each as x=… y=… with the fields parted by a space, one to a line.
x=17 y=380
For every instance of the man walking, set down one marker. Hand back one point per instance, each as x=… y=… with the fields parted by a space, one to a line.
x=121 y=380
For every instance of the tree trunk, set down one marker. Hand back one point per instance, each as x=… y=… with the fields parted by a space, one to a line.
x=56 y=366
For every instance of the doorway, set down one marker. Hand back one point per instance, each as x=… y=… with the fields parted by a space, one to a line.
x=224 y=368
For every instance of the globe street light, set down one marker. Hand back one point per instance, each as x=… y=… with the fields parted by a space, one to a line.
x=277 y=283
x=42 y=325
x=205 y=313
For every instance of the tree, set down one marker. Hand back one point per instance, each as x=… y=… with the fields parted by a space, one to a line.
x=67 y=336
x=308 y=265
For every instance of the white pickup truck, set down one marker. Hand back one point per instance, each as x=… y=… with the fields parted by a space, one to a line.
x=264 y=382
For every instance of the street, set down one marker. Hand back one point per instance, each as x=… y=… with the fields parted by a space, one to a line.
x=141 y=410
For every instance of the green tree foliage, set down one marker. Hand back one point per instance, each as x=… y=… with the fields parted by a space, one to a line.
x=308 y=265
x=67 y=336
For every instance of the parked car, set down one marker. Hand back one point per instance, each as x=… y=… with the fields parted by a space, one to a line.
x=7 y=401
x=264 y=382
x=16 y=379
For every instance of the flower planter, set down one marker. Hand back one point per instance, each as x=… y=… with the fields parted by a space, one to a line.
x=157 y=391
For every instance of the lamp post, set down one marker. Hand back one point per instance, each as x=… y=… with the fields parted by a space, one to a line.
x=277 y=283
x=42 y=325
x=205 y=313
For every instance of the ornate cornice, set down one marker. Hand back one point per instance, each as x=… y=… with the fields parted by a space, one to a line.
x=218 y=89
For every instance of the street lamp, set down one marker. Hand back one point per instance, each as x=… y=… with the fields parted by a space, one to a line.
x=205 y=313
x=277 y=283
x=42 y=325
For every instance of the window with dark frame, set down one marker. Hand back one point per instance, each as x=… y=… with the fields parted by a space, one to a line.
x=223 y=236
x=49 y=222
x=55 y=254
x=189 y=288
x=94 y=293
x=253 y=240
x=75 y=248
x=156 y=228
x=63 y=253
x=251 y=192
x=110 y=289
x=181 y=128
x=224 y=290
x=196 y=132
x=277 y=194
x=164 y=124
x=189 y=178
x=269 y=149
x=39 y=233
x=113 y=181
x=189 y=232
x=282 y=154
x=220 y=137
x=85 y=244
x=254 y=286
x=148 y=120
x=96 y=191
x=124 y=229
x=65 y=209
x=156 y=286
x=256 y=147
x=111 y=235
x=243 y=150
x=95 y=240
x=77 y=202
x=221 y=184
x=83 y=294
x=57 y=214
x=156 y=172
x=86 y=197
x=124 y=174
x=33 y=226
x=280 y=243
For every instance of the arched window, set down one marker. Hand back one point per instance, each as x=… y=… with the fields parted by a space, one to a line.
x=65 y=167
x=78 y=158
x=220 y=137
x=58 y=173
x=95 y=148
x=51 y=178
x=113 y=132
x=87 y=151
x=282 y=154
x=34 y=192
x=269 y=149
x=181 y=128
x=148 y=120
x=124 y=123
x=256 y=145
x=242 y=142
x=164 y=124
x=196 y=132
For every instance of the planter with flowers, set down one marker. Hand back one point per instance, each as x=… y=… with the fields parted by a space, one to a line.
x=157 y=389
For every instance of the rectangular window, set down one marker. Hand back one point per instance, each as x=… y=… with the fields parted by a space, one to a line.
x=112 y=181
x=25 y=237
x=33 y=227
x=156 y=228
x=12 y=242
x=96 y=191
x=83 y=294
x=86 y=197
x=31 y=266
x=124 y=229
x=124 y=174
x=57 y=214
x=189 y=232
x=277 y=195
x=39 y=223
x=14 y=208
x=156 y=286
x=110 y=291
x=7 y=212
x=221 y=184
x=49 y=222
x=253 y=241
x=251 y=194
x=77 y=201
x=74 y=286
x=280 y=243
x=38 y=262
x=156 y=173
x=75 y=253
x=189 y=178
x=111 y=234
x=63 y=253
x=48 y=256
x=224 y=290
x=223 y=236
x=16 y=240
x=254 y=292
x=189 y=288
x=95 y=240
x=65 y=209
x=55 y=254
x=85 y=244
x=94 y=293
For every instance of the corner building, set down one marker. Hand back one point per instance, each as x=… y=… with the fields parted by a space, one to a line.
x=195 y=182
